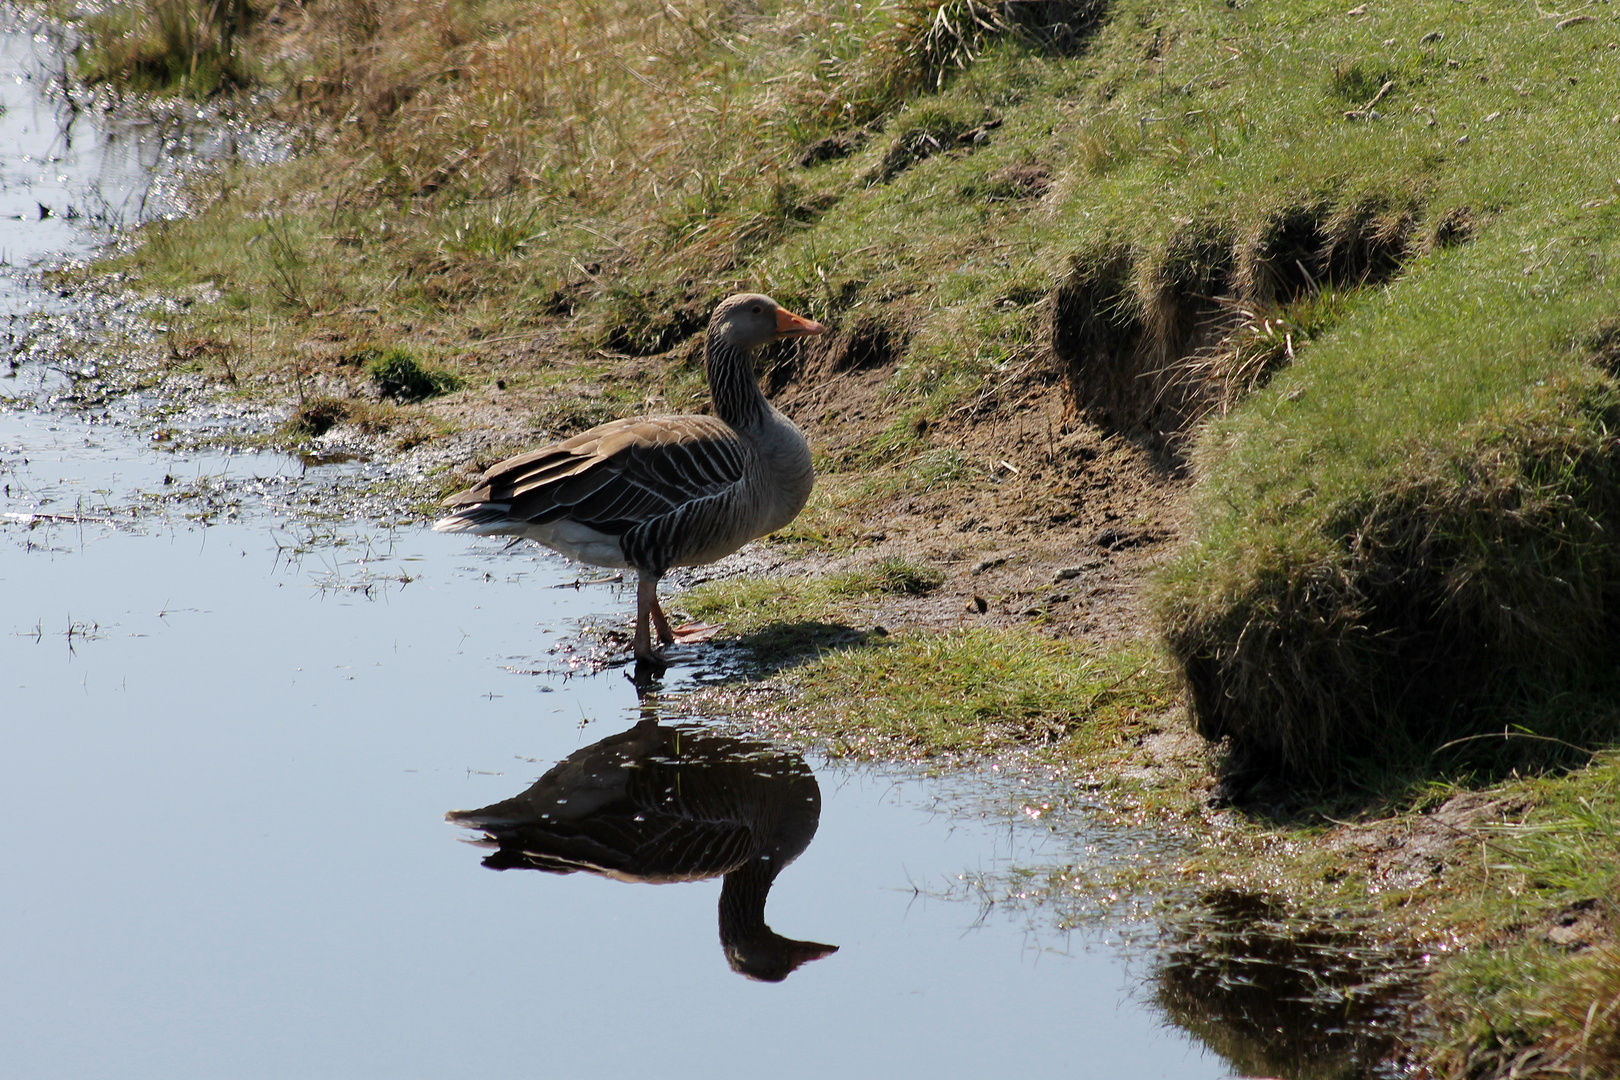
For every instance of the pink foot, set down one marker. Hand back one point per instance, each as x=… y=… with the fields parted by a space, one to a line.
x=692 y=632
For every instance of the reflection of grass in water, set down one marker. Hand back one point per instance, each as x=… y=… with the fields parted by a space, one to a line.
x=1280 y=997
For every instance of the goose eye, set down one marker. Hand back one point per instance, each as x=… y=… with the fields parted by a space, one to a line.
x=756 y=309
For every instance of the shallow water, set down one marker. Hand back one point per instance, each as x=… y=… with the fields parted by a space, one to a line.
x=230 y=736
x=226 y=767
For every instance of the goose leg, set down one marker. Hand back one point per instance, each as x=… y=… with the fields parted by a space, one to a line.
x=650 y=617
x=646 y=606
x=666 y=636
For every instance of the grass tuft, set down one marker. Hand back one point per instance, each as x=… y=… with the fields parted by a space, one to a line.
x=893 y=576
x=316 y=416
x=397 y=373
x=190 y=47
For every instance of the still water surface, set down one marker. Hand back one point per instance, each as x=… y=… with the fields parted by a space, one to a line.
x=224 y=794
x=227 y=749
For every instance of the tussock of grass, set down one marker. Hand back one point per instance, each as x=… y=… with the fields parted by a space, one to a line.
x=893 y=575
x=398 y=374
x=927 y=132
x=191 y=47
x=317 y=416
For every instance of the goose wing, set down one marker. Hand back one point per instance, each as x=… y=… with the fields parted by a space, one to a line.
x=627 y=847
x=611 y=478
x=630 y=807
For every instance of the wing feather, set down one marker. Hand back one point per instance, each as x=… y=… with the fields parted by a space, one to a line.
x=612 y=477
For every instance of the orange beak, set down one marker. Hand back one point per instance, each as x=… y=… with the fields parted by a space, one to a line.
x=789 y=325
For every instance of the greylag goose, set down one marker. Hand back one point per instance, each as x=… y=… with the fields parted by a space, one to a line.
x=662 y=804
x=663 y=491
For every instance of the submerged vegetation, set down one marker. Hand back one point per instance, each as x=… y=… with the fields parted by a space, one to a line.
x=1350 y=269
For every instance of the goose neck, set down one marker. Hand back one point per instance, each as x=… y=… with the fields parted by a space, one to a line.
x=742 y=899
x=732 y=386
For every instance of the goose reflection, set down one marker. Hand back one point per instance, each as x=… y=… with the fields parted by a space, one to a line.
x=661 y=804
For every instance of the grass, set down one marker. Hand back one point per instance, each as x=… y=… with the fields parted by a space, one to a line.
x=398 y=374
x=750 y=605
x=188 y=47
x=970 y=691
x=1351 y=266
x=974 y=691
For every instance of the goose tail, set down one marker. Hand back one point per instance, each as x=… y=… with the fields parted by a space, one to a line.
x=482 y=519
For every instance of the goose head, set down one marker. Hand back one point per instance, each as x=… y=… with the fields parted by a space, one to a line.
x=748 y=320
x=766 y=956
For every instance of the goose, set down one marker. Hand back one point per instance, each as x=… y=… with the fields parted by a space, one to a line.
x=661 y=804
x=663 y=491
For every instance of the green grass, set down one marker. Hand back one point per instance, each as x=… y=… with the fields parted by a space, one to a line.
x=397 y=373
x=966 y=691
x=748 y=604
x=963 y=691
x=974 y=692
x=189 y=47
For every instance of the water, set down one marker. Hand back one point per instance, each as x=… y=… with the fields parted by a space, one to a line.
x=228 y=743
x=226 y=767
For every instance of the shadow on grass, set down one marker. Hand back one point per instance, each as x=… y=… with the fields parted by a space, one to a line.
x=1514 y=739
x=1280 y=997
x=781 y=646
